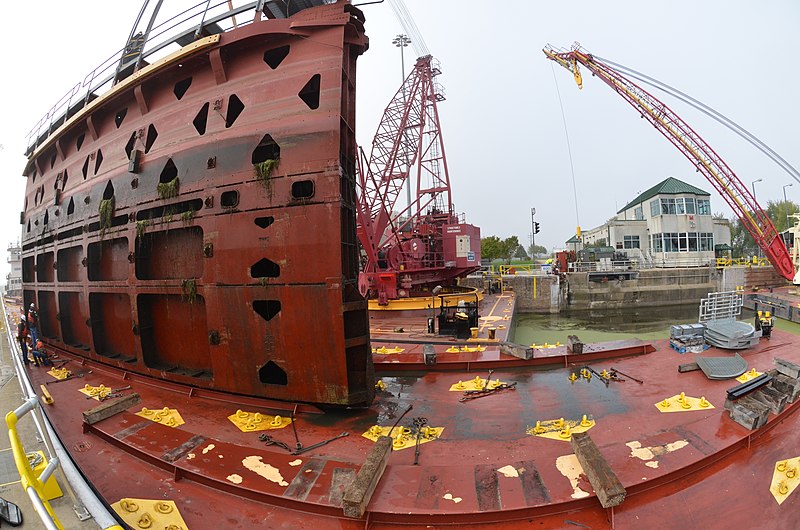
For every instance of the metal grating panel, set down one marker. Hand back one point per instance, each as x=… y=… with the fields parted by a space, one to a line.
x=722 y=367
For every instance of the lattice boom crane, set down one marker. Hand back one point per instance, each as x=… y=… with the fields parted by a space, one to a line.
x=688 y=142
x=410 y=249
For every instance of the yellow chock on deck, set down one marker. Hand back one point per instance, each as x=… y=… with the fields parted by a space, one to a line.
x=403 y=437
x=747 y=376
x=145 y=513
x=380 y=385
x=255 y=421
x=59 y=373
x=785 y=478
x=470 y=349
x=475 y=384
x=97 y=392
x=46 y=397
x=560 y=429
x=683 y=403
x=166 y=416
x=383 y=350
x=573 y=377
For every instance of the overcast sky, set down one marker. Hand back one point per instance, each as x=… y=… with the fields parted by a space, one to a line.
x=501 y=122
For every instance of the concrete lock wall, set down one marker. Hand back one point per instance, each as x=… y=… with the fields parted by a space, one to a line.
x=652 y=288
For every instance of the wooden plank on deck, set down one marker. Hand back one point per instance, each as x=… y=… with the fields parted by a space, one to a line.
x=357 y=495
x=607 y=486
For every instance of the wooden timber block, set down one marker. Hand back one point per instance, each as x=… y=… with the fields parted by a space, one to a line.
x=515 y=350
x=357 y=495
x=749 y=413
x=574 y=344
x=109 y=407
x=787 y=368
x=428 y=354
x=788 y=385
x=774 y=399
x=688 y=367
x=607 y=486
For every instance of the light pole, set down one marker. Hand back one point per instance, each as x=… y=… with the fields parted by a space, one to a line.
x=786 y=205
x=401 y=41
x=533 y=231
x=753 y=184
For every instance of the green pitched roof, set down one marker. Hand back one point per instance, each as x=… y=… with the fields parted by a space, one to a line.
x=670 y=186
x=573 y=239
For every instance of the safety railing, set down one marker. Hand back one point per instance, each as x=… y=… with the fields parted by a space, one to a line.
x=86 y=503
x=753 y=261
x=32 y=483
x=184 y=26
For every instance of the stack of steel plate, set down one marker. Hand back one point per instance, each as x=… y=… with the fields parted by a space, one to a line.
x=731 y=334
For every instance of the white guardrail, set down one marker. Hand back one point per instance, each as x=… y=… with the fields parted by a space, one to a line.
x=85 y=502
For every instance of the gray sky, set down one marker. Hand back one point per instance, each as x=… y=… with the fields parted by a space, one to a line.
x=501 y=122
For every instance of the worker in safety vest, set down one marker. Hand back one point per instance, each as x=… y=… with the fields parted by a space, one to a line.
x=22 y=338
x=39 y=354
x=33 y=323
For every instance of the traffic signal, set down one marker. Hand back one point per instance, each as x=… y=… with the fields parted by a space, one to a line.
x=536 y=228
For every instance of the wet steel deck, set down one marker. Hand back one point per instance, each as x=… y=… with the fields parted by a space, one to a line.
x=720 y=478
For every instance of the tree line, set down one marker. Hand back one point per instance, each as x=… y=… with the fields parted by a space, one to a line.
x=742 y=242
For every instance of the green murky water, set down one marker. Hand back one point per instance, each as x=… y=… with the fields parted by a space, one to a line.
x=599 y=326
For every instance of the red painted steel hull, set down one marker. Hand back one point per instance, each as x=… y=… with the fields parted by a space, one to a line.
x=184 y=310
x=238 y=283
x=721 y=459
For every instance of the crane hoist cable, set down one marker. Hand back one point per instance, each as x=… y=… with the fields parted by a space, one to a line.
x=711 y=113
x=569 y=152
x=692 y=146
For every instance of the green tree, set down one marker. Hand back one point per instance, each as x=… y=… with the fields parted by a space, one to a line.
x=743 y=243
x=537 y=250
x=520 y=253
x=508 y=248
x=490 y=248
x=493 y=248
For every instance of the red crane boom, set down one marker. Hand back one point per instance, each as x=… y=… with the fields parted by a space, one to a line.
x=693 y=147
x=423 y=244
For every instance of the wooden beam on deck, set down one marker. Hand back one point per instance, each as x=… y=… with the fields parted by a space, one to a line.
x=109 y=407
x=357 y=495
x=607 y=486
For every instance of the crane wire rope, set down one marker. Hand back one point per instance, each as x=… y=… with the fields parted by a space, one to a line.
x=569 y=149
x=409 y=26
x=710 y=112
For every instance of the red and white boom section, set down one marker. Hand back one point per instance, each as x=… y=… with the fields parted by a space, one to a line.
x=693 y=147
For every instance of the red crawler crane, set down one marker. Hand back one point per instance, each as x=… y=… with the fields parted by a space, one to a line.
x=699 y=153
x=410 y=250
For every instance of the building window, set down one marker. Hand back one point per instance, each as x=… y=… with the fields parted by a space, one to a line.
x=670 y=242
x=706 y=241
x=631 y=242
x=693 y=241
x=689 y=205
x=655 y=207
x=703 y=207
x=657 y=243
x=638 y=213
x=679 y=206
x=668 y=206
